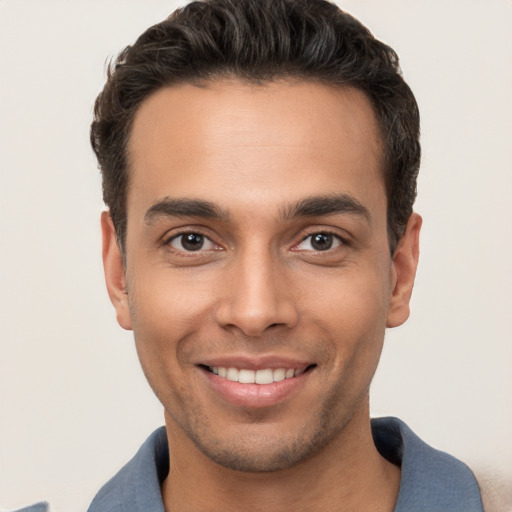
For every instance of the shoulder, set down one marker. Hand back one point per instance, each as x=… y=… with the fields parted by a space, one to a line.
x=137 y=485
x=42 y=506
x=431 y=479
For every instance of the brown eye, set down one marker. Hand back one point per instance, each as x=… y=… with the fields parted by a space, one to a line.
x=320 y=242
x=191 y=242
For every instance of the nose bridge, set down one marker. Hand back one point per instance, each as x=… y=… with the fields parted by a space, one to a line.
x=257 y=296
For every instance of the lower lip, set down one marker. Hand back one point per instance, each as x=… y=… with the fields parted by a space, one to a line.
x=256 y=395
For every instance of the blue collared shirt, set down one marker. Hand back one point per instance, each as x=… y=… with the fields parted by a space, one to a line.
x=431 y=481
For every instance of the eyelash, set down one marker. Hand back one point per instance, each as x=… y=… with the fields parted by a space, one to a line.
x=341 y=241
x=168 y=241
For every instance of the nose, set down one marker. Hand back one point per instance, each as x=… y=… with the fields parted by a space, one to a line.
x=257 y=296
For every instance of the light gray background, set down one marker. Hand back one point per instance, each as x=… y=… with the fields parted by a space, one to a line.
x=74 y=405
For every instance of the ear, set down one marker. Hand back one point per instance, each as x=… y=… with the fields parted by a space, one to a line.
x=403 y=272
x=115 y=274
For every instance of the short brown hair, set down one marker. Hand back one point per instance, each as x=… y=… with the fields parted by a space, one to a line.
x=260 y=41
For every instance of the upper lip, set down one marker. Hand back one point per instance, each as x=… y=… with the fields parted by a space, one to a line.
x=255 y=363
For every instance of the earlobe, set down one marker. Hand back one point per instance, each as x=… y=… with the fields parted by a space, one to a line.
x=404 y=265
x=115 y=274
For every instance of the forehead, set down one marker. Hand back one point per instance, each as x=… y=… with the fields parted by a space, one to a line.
x=218 y=140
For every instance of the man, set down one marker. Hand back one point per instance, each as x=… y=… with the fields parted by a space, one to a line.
x=259 y=164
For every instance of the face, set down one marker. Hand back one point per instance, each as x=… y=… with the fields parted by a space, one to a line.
x=258 y=280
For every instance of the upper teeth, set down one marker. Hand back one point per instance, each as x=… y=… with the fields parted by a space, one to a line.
x=266 y=376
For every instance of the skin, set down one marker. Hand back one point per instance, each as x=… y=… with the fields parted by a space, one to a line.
x=258 y=287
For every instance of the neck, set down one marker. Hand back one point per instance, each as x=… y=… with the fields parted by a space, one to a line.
x=347 y=475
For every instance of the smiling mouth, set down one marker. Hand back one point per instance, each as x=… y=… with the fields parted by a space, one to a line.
x=262 y=376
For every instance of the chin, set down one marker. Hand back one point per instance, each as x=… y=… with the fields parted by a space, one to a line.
x=262 y=453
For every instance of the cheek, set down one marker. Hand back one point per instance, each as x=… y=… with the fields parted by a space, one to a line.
x=165 y=302
x=352 y=314
x=165 y=313
x=162 y=318
x=353 y=300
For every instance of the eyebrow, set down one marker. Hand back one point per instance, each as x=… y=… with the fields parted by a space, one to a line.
x=317 y=206
x=314 y=206
x=168 y=207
